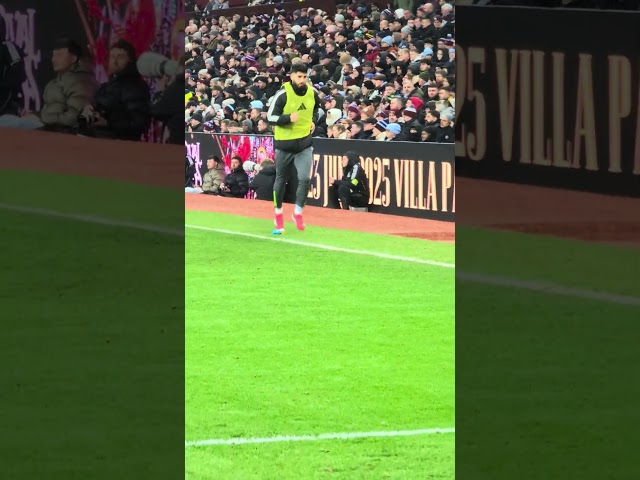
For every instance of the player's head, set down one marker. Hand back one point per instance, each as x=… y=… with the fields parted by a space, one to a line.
x=298 y=74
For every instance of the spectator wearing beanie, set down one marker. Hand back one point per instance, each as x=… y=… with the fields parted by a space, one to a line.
x=379 y=131
x=410 y=117
x=353 y=112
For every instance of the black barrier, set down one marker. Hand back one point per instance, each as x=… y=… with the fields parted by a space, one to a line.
x=563 y=107
x=405 y=178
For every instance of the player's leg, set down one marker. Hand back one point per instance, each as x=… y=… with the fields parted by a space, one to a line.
x=303 y=162
x=283 y=162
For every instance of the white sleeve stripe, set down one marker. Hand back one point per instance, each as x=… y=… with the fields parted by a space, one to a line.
x=271 y=118
x=354 y=172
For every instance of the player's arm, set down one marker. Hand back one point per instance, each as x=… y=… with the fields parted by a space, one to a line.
x=275 y=115
x=316 y=108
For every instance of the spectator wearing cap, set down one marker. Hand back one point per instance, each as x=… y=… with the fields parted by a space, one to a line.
x=422 y=81
x=70 y=91
x=247 y=126
x=195 y=123
x=368 y=129
x=393 y=132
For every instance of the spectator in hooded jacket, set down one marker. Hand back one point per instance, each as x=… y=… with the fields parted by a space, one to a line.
x=121 y=107
x=70 y=91
x=353 y=188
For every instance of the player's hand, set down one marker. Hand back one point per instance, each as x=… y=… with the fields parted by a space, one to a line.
x=331 y=180
x=294 y=117
x=313 y=127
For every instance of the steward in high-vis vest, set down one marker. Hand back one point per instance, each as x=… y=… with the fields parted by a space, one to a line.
x=293 y=112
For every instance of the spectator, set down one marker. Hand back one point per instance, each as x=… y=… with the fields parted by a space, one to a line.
x=393 y=132
x=212 y=179
x=70 y=91
x=215 y=175
x=263 y=182
x=353 y=188
x=166 y=107
x=121 y=107
x=446 y=133
x=236 y=183
x=12 y=73
x=217 y=5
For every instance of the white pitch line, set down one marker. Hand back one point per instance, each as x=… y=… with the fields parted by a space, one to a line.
x=480 y=278
x=322 y=436
x=549 y=288
x=326 y=247
x=93 y=219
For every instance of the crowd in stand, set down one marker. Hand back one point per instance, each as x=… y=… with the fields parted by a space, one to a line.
x=382 y=74
x=599 y=4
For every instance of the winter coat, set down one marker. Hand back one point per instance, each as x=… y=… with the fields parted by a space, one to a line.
x=445 y=135
x=354 y=176
x=124 y=102
x=213 y=178
x=167 y=110
x=66 y=95
x=263 y=182
x=238 y=183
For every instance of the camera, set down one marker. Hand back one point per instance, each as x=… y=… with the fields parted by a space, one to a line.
x=154 y=65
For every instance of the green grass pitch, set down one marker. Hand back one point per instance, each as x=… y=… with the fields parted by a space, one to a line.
x=89 y=350
x=285 y=339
